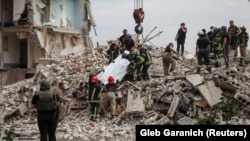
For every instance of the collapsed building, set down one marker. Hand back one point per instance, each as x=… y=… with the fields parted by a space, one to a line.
x=183 y=98
x=36 y=30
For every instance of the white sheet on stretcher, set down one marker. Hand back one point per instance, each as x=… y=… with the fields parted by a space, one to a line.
x=117 y=69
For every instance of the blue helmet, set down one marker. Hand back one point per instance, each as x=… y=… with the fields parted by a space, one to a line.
x=125 y=54
x=223 y=27
x=128 y=36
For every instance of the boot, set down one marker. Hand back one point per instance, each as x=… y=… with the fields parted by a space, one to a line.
x=227 y=66
x=209 y=69
x=198 y=70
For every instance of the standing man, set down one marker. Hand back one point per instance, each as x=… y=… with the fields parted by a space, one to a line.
x=233 y=31
x=128 y=43
x=168 y=60
x=225 y=41
x=123 y=37
x=217 y=46
x=63 y=102
x=110 y=96
x=44 y=102
x=210 y=37
x=202 y=51
x=95 y=91
x=243 y=41
x=147 y=61
x=181 y=37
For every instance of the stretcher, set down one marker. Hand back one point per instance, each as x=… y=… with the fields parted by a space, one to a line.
x=117 y=69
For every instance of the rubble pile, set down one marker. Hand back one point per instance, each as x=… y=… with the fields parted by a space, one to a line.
x=182 y=98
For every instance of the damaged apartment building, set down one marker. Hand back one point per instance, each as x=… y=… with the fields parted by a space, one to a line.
x=33 y=31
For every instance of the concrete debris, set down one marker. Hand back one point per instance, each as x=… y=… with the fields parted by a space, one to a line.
x=182 y=98
x=211 y=93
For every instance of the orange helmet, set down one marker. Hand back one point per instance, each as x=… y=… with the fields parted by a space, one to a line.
x=111 y=79
x=94 y=79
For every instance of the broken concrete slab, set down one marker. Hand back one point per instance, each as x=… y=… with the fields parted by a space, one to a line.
x=134 y=103
x=195 y=79
x=211 y=93
x=173 y=106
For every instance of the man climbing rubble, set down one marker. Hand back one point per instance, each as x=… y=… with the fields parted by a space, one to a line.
x=168 y=60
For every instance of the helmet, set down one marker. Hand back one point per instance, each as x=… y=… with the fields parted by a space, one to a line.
x=128 y=36
x=243 y=28
x=94 y=79
x=215 y=29
x=223 y=27
x=111 y=79
x=125 y=54
x=200 y=33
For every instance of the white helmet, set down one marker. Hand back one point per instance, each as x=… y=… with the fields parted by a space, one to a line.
x=200 y=33
x=125 y=54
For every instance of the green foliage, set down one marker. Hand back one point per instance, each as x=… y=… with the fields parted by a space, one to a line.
x=10 y=134
x=210 y=120
x=228 y=107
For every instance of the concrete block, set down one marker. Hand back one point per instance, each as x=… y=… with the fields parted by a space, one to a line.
x=173 y=106
x=78 y=105
x=242 y=98
x=211 y=93
x=186 y=121
x=195 y=79
x=134 y=103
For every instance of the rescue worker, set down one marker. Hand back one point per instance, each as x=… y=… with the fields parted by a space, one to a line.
x=243 y=42
x=95 y=91
x=202 y=51
x=110 y=96
x=61 y=92
x=113 y=52
x=63 y=102
x=180 y=38
x=217 y=46
x=210 y=37
x=128 y=43
x=225 y=41
x=44 y=102
x=147 y=61
x=79 y=92
x=233 y=31
x=122 y=38
x=135 y=66
x=168 y=60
